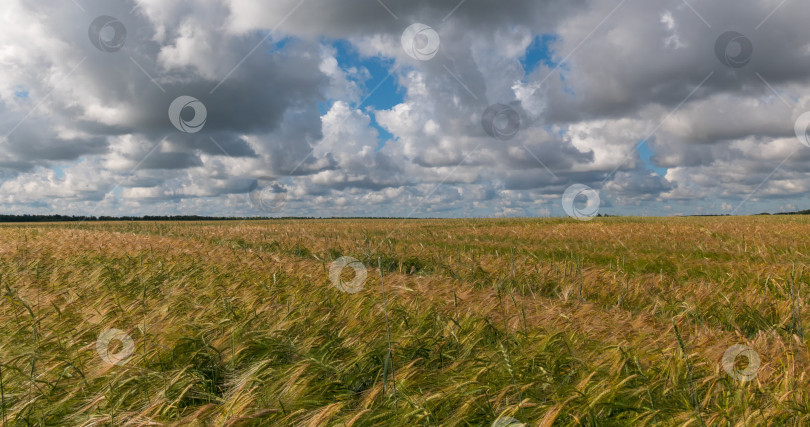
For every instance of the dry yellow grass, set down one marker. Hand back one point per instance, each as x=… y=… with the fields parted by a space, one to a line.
x=552 y=322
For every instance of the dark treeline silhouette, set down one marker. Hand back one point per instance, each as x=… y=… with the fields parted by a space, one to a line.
x=72 y=218
x=804 y=212
x=69 y=218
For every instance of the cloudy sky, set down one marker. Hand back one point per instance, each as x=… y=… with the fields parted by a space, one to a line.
x=441 y=108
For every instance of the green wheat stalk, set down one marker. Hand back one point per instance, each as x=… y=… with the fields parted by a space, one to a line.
x=689 y=373
x=388 y=357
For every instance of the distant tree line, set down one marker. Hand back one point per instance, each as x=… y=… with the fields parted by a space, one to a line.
x=804 y=212
x=73 y=218
x=81 y=218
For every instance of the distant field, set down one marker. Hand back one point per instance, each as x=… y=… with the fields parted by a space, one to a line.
x=614 y=321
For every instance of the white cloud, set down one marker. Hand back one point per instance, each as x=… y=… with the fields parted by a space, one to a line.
x=282 y=104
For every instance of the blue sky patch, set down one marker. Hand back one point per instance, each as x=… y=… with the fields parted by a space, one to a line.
x=646 y=154
x=381 y=91
x=539 y=53
x=279 y=45
x=381 y=87
x=21 y=92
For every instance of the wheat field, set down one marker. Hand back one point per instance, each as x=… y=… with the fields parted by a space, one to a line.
x=615 y=321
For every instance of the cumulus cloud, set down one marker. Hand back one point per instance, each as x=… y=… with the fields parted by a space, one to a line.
x=87 y=130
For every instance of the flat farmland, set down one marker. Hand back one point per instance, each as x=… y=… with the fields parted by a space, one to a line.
x=614 y=321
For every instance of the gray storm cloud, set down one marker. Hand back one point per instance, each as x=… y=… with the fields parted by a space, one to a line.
x=279 y=104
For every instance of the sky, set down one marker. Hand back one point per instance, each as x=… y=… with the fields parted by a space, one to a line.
x=441 y=108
